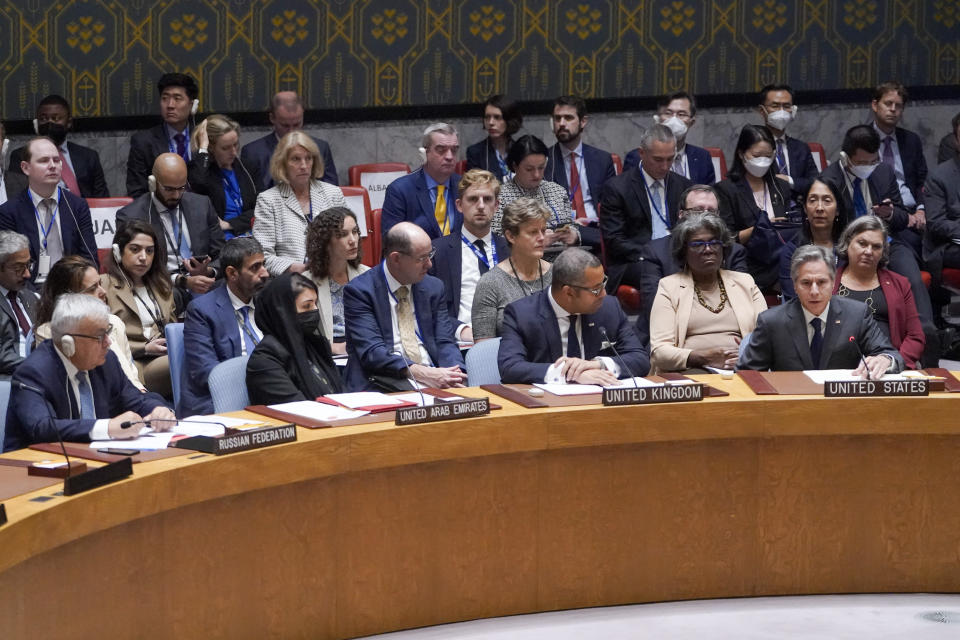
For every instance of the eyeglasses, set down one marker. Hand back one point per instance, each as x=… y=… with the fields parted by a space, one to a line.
x=173 y=189
x=19 y=268
x=692 y=211
x=596 y=292
x=423 y=259
x=701 y=246
x=99 y=338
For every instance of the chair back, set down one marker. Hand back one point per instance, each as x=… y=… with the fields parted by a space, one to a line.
x=4 y=401
x=103 y=215
x=375 y=177
x=819 y=155
x=176 y=355
x=228 y=385
x=719 y=162
x=481 y=363
x=617 y=163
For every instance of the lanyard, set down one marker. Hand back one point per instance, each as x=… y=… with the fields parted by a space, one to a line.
x=579 y=163
x=231 y=189
x=53 y=219
x=656 y=205
x=476 y=252
x=178 y=224
x=244 y=326
x=153 y=309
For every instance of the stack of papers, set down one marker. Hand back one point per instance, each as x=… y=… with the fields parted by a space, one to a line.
x=367 y=400
x=318 y=410
x=823 y=376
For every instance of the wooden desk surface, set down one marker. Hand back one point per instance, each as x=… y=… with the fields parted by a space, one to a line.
x=370 y=528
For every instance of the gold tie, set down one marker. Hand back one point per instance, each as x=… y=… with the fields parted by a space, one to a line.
x=407 y=324
x=440 y=210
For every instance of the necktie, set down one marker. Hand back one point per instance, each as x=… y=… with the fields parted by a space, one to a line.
x=68 y=177
x=181 y=141
x=575 y=189
x=816 y=344
x=250 y=340
x=781 y=158
x=21 y=319
x=184 y=248
x=659 y=218
x=859 y=204
x=888 y=152
x=407 y=325
x=678 y=164
x=87 y=411
x=54 y=244
x=573 y=345
x=440 y=210
x=482 y=248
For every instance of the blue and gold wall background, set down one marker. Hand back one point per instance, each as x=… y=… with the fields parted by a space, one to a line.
x=105 y=55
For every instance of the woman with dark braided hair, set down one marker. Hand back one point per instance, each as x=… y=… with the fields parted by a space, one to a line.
x=333 y=260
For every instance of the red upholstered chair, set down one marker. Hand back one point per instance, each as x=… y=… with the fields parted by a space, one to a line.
x=358 y=201
x=630 y=299
x=819 y=155
x=376 y=240
x=719 y=162
x=617 y=163
x=461 y=167
x=103 y=215
x=951 y=278
x=375 y=177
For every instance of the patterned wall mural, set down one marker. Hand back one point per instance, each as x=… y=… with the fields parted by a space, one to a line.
x=105 y=55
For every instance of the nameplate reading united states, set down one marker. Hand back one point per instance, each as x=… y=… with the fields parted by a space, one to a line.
x=438 y=411
x=875 y=388
x=652 y=395
x=240 y=440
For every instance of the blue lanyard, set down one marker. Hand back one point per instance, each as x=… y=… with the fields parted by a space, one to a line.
x=476 y=252
x=53 y=219
x=656 y=205
x=231 y=189
x=395 y=301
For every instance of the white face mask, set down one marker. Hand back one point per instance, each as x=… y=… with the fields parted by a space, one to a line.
x=862 y=171
x=678 y=126
x=780 y=118
x=757 y=167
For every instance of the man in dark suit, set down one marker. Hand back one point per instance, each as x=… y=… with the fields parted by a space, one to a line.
x=286 y=115
x=678 y=111
x=186 y=221
x=81 y=171
x=564 y=333
x=793 y=157
x=461 y=259
x=941 y=240
x=73 y=385
x=949 y=147
x=55 y=221
x=427 y=197
x=396 y=308
x=818 y=331
x=641 y=205
x=178 y=101
x=18 y=307
x=221 y=325
x=11 y=182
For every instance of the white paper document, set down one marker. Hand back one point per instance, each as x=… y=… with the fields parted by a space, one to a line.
x=427 y=401
x=146 y=442
x=363 y=399
x=822 y=376
x=318 y=410
x=208 y=425
x=569 y=389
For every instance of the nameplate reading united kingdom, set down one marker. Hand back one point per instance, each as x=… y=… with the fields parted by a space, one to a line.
x=875 y=388
x=240 y=440
x=622 y=396
x=454 y=410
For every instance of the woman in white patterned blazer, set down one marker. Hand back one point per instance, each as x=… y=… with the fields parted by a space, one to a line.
x=284 y=211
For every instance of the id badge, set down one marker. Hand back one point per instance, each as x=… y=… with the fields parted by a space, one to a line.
x=43 y=265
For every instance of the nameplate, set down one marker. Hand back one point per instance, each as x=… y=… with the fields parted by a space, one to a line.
x=3 y=514
x=438 y=411
x=652 y=395
x=237 y=441
x=875 y=388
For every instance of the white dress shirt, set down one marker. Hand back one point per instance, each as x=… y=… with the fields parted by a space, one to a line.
x=563 y=323
x=100 y=430
x=169 y=237
x=37 y=199
x=470 y=275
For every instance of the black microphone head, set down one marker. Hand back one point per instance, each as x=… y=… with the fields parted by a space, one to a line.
x=603 y=333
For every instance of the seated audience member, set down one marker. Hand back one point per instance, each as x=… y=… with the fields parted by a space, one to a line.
x=293 y=361
x=398 y=326
x=81 y=171
x=526 y=159
x=462 y=259
x=76 y=274
x=187 y=222
x=561 y=334
x=501 y=120
x=72 y=387
x=522 y=272
x=678 y=111
x=286 y=115
x=902 y=151
x=753 y=195
x=641 y=205
x=822 y=213
x=813 y=330
x=19 y=303
x=178 y=95
x=12 y=183
x=285 y=210
x=864 y=249
x=56 y=222
x=949 y=147
x=792 y=161
x=140 y=294
x=427 y=197
x=942 y=238
x=215 y=171
x=701 y=313
x=222 y=324
x=333 y=255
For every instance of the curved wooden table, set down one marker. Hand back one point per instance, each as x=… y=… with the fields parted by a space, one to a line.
x=366 y=529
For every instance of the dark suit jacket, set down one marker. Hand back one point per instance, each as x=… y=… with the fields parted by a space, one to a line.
x=942 y=211
x=145 y=146
x=10 y=330
x=407 y=199
x=86 y=167
x=256 y=158
x=948 y=149
x=448 y=265
x=272 y=375
x=482 y=155
x=699 y=162
x=803 y=169
x=32 y=417
x=882 y=184
x=530 y=339
x=76 y=228
x=366 y=301
x=206 y=179
x=914 y=164
x=210 y=329
x=779 y=343
x=14 y=183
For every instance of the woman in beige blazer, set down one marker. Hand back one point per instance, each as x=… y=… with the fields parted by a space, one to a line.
x=701 y=313
x=140 y=293
x=284 y=211
x=333 y=256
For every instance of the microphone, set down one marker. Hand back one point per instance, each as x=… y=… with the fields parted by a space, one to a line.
x=92 y=254
x=607 y=344
x=416 y=384
x=129 y=423
x=63 y=448
x=862 y=359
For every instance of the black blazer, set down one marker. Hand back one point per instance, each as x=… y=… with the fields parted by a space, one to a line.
x=86 y=167
x=699 y=162
x=948 y=149
x=145 y=146
x=256 y=158
x=943 y=212
x=206 y=179
x=10 y=330
x=483 y=155
x=272 y=375
x=14 y=183
x=914 y=164
x=597 y=163
x=449 y=254
x=882 y=184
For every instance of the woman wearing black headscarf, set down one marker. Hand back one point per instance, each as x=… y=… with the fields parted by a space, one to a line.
x=293 y=361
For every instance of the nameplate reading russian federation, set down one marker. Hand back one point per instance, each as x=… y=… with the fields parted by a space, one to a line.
x=652 y=395
x=874 y=388
x=438 y=411
x=240 y=440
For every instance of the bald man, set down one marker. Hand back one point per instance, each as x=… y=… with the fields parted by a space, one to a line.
x=286 y=115
x=185 y=222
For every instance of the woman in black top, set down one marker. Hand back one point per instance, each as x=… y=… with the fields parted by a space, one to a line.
x=501 y=120
x=293 y=361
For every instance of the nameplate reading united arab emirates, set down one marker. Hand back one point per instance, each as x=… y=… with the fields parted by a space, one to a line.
x=622 y=396
x=240 y=440
x=468 y=408
x=875 y=388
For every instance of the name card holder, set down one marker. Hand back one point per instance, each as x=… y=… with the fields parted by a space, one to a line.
x=454 y=410
x=876 y=388
x=237 y=440
x=624 y=396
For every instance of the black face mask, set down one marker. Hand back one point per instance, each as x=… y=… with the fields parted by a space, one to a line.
x=309 y=321
x=54 y=131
